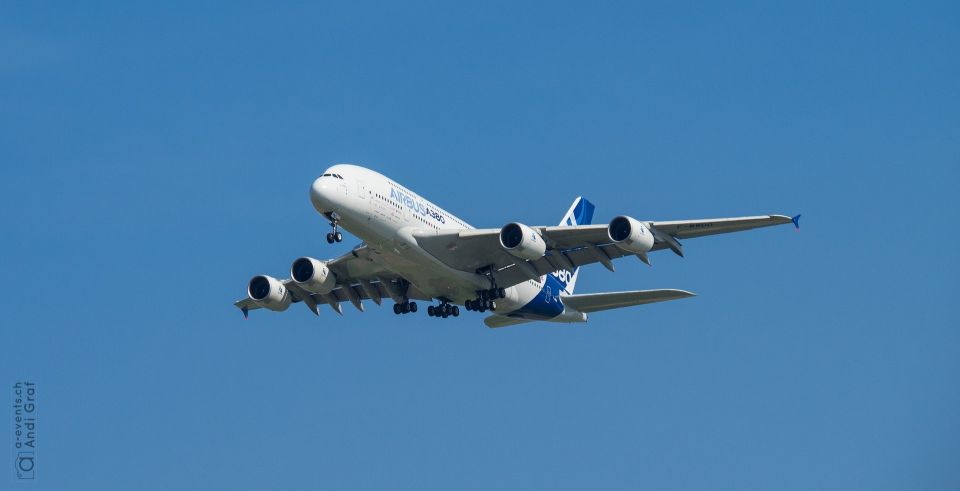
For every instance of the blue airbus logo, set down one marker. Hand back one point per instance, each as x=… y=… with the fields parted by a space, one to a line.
x=416 y=206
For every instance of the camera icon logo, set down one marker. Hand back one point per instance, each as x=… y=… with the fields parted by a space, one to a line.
x=25 y=465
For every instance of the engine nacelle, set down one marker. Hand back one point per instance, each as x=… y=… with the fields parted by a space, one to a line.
x=269 y=293
x=630 y=235
x=313 y=275
x=522 y=241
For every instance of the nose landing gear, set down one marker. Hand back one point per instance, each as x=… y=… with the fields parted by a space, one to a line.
x=334 y=236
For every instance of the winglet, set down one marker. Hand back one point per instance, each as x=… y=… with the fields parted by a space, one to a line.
x=246 y=312
x=796 y=221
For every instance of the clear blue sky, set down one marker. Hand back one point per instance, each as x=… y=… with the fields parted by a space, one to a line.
x=154 y=158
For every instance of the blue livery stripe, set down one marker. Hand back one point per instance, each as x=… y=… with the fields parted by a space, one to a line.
x=583 y=213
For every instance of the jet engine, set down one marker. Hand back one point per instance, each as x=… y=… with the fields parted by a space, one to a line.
x=630 y=235
x=522 y=241
x=313 y=275
x=269 y=293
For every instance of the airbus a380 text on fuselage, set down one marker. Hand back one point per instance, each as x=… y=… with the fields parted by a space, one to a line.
x=414 y=250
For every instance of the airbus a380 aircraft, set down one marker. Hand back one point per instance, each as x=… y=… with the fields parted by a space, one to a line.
x=414 y=250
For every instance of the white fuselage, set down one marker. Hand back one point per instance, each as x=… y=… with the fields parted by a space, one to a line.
x=385 y=215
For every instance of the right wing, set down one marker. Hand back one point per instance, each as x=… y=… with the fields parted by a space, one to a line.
x=569 y=247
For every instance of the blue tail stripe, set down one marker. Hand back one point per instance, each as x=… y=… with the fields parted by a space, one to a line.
x=583 y=212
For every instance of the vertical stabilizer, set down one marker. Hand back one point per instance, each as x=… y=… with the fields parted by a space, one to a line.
x=580 y=213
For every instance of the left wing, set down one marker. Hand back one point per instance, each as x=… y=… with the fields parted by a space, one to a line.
x=358 y=279
x=571 y=246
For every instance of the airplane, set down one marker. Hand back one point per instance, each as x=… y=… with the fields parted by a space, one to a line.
x=414 y=250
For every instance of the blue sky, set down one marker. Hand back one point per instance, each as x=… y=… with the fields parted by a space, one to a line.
x=155 y=157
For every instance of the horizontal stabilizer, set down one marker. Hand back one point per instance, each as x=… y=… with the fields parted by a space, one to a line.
x=503 y=321
x=595 y=302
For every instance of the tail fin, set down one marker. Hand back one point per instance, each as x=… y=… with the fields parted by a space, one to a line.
x=580 y=213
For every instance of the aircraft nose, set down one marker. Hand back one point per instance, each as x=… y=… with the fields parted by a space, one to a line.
x=322 y=193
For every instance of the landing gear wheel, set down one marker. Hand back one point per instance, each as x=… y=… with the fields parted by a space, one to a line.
x=338 y=237
x=405 y=308
x=413 y=306
x=501 y=293
x=455 y=311
x=330 y=238
x=493 y=306
x=430 y=311
x=396 y=308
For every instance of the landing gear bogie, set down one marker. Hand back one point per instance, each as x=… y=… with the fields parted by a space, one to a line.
x=404 y=307
x=486 y=300
x=444 y=310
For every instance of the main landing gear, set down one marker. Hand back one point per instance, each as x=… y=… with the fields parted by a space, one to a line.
x=443 y=310
x=334 y=236
x=486 y=300
x=405 y=307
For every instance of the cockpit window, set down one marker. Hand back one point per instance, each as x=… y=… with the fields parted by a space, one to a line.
x=337 y=176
